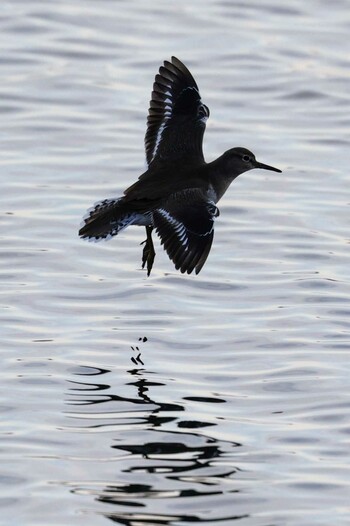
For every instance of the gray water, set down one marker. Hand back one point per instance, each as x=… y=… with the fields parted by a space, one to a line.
x=240 y=411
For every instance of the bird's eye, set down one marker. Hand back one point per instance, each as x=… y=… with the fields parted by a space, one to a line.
x=246 y=158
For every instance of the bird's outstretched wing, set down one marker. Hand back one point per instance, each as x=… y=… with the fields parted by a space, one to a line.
x=176 y=117
x=185 y=225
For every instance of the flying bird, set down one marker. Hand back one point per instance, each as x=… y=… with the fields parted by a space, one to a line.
x=177 y=196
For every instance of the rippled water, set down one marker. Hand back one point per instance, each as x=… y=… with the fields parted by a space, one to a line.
x=222 y=398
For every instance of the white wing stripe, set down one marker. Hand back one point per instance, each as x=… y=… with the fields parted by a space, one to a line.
x=179 y=227
x=168 y=110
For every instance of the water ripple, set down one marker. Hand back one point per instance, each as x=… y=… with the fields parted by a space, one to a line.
x=175 y=399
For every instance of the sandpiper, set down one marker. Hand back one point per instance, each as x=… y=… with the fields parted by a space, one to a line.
x=178 y=193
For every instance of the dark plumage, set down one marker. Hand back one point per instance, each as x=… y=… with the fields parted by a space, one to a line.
x=177 y=195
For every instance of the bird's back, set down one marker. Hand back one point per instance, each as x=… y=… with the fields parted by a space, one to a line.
x=159 y=184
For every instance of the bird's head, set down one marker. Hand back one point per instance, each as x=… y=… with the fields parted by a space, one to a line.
x=240 y=160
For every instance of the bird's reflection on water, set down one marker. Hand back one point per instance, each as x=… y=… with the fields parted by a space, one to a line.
x=173 y=470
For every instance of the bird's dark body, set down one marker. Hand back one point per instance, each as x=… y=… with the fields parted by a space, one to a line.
x=177 y=195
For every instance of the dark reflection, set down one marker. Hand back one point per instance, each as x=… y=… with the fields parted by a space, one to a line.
x=206 y=399
x=177 y=474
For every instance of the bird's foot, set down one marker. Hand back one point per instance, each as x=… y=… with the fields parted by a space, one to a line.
x=148 y=255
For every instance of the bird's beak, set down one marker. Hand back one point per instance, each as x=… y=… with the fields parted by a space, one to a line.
x=267 y=167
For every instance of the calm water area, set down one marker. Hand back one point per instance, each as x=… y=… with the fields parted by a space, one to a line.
x=219 y=399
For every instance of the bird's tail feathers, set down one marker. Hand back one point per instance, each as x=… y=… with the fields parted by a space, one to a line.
x=106 y=219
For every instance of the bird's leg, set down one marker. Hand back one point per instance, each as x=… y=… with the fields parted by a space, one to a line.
x=148 y=253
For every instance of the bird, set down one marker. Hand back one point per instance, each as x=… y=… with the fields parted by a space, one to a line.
x=177 y=195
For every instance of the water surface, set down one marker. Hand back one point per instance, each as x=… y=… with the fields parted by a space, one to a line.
x=222 y=398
